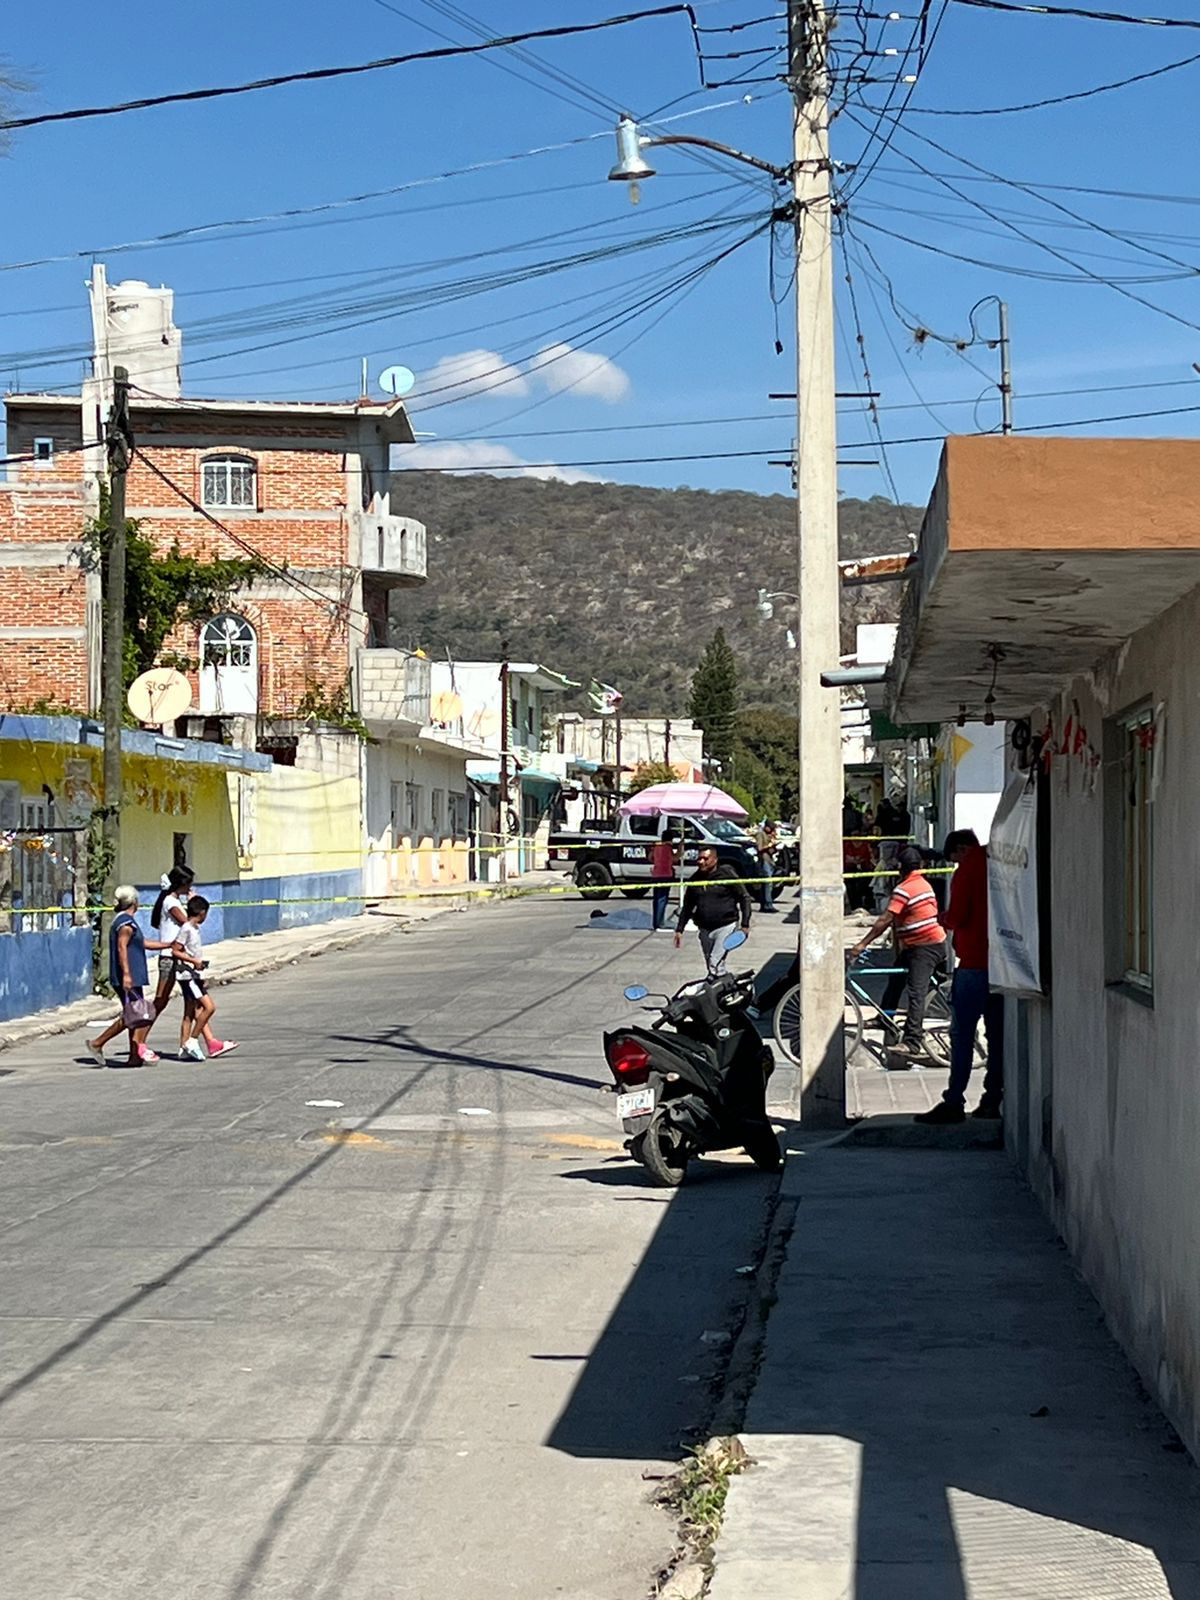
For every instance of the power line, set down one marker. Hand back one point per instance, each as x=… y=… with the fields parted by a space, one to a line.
x=1081 y=12
x=1028 y=238
x=869 y=386
x=318 y=74
x=337 y=608
x=1054 y=100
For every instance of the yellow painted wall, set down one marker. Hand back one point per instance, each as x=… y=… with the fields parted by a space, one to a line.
x=304 y=822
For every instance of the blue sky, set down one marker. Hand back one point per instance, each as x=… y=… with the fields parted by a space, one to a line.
x=613 y=344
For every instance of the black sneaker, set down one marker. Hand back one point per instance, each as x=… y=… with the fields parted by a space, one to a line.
x=942 y=1113
x=988 y=1111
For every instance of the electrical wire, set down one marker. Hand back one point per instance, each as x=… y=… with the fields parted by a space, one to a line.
x=1078 y=269
x=1081 y=12
x=1055 y=205
x=869 y=387
x=1054 y=100
x=319 y=74
x=337 y=608
x=864 y=173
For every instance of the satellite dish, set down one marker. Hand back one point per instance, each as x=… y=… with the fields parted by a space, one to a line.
x=159 y=696
x=397 y=380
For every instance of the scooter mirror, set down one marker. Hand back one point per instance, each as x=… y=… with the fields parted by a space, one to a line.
x=636 y=991
x=735 y=939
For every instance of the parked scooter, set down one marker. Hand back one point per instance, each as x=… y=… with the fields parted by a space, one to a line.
x=696 y=1079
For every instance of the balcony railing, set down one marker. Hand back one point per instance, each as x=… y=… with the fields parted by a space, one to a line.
x=393 y=547
x=393 y=689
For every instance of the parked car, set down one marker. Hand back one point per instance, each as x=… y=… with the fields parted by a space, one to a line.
x=619 y=857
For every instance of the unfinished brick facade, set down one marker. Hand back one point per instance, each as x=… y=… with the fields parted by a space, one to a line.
x=309 y=481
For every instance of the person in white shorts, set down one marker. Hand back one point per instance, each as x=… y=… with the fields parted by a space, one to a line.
x=198 y=1004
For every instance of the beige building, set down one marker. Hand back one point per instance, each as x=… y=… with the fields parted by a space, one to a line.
x=1058 y=587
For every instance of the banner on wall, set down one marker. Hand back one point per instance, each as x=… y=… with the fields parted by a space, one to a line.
x=1014 y=955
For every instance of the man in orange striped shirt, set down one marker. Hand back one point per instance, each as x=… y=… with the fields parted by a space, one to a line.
x=913 y=912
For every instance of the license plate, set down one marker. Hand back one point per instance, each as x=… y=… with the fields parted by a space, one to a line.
x=638 y=1104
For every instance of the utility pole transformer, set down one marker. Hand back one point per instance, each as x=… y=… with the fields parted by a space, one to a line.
x=820 y=1094
x=119 y=444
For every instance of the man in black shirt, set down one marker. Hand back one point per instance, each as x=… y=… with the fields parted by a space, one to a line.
x=717 y=903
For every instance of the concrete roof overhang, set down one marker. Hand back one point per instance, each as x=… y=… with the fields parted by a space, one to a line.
x=1056 y=550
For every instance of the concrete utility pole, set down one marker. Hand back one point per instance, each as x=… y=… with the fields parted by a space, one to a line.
x=1006 y=395
x=821 y=1092
x=119 y=443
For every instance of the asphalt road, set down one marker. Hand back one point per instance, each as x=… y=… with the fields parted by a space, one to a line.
x=250 y=1348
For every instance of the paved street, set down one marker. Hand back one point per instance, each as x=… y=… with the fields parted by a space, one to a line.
x=253 y=1349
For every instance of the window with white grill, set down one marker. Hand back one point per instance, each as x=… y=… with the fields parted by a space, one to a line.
x=229 y=483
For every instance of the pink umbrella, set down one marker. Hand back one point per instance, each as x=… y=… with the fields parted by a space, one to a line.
x=682 y=799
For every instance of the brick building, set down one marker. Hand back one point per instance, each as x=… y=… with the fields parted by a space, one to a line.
x=305 y=487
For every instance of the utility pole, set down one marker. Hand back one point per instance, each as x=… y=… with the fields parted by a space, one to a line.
x=119 y=443
x=1006 y=394
x=504 y=743
x=820 y=1094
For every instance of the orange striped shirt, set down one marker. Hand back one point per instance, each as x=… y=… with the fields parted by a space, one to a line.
x=914 y=906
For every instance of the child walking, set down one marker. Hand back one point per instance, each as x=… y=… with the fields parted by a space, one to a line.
x=198 y=1004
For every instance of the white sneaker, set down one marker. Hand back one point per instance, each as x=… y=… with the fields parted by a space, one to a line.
x=192 y=1051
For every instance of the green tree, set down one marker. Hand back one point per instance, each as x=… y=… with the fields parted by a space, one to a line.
x=163 y=590
x=766 y=757
x=713 y=704
x=652 y=772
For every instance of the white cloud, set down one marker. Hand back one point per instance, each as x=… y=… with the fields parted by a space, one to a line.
x=477 y=455
x=564 y=370
x=470 y=372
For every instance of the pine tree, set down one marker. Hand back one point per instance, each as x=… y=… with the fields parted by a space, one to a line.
x=713 y=702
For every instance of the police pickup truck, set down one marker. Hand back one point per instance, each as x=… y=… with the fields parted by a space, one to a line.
x=605 y=858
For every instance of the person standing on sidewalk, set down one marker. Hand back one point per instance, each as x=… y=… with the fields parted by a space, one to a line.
x=717 y=904
x=912 y=912
x=767 y=841
x=662 y=875
x=970 y=999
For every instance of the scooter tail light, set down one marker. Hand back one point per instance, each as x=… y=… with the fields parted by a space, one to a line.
x=629 y=1060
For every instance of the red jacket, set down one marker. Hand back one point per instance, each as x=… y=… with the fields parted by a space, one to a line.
x=967 y=914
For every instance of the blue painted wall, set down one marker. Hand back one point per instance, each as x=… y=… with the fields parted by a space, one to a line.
x=44 y=969
x=38 y=970
x=304 y=898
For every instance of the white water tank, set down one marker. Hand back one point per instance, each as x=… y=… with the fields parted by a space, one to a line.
x=133 y=327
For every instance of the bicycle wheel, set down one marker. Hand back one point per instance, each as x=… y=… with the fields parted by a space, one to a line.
x=787 y=1024
x=788 y=1016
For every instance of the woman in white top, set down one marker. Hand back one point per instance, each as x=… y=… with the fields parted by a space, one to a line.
x=166 y=919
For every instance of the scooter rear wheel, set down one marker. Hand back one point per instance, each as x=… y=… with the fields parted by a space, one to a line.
x=662 y=1152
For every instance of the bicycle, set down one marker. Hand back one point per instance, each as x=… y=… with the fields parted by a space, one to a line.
x=863 y=1010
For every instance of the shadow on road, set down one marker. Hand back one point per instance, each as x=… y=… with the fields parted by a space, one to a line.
x=648 y=1386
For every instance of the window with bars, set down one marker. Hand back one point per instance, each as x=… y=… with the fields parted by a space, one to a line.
x=229 y=483
x=458 y=815
x=415 y=806
x=1137 y=811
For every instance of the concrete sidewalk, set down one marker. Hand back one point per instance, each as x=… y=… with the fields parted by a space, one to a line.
x=233 y=959
x=940 y=1413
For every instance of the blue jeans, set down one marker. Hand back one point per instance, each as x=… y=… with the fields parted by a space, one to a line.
x=970 y=1002
x=766 y=888
x=662 y=900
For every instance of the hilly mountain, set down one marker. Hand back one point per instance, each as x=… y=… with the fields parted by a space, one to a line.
x=622 y=583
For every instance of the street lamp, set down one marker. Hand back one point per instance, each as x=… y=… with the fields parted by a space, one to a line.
x=764 y=605
x=820 y=1094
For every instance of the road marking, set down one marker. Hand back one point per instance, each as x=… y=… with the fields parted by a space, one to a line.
x=585 y=1141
